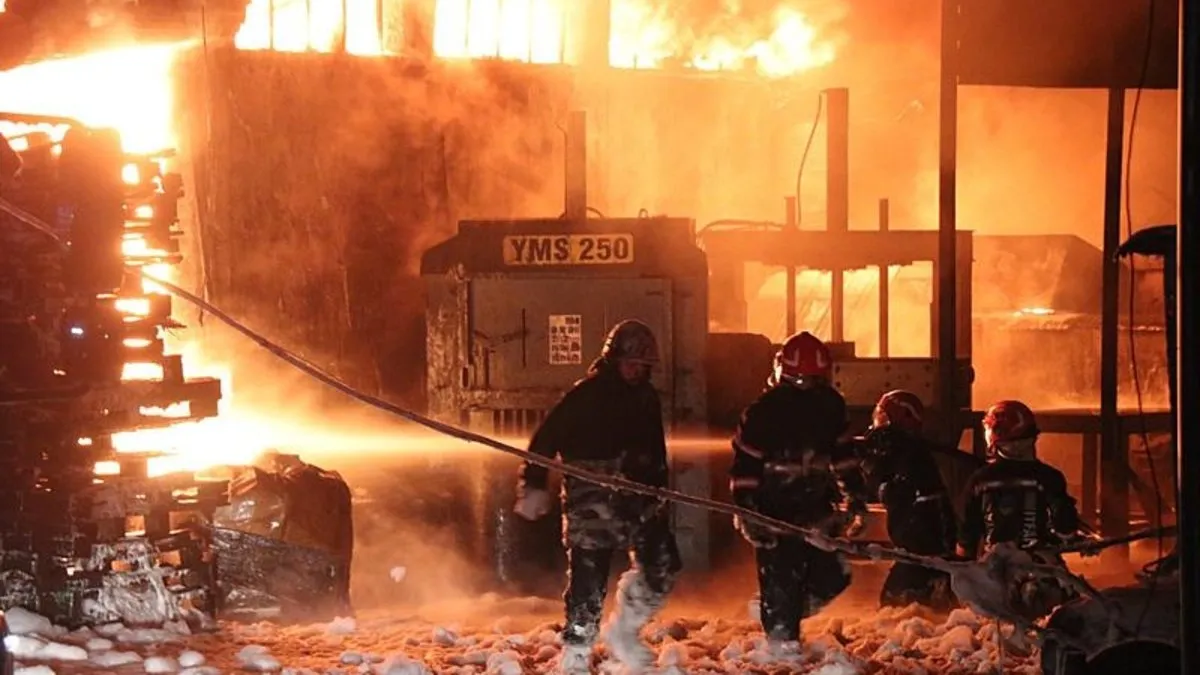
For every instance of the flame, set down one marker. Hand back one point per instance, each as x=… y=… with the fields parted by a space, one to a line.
x=517 y=30
x=128 y=89
x=537 y=31
x=311 y=25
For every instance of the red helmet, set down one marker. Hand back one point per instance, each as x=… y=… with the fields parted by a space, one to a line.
x=1007 y=425
x=900 y=409
x=803 y=356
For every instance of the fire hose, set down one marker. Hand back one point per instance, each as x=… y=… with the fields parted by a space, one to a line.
x=981 y=584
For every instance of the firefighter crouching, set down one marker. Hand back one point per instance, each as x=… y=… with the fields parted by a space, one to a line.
x=899 y=469
x=1017 y=499
x=783 y=450
x=610 y=423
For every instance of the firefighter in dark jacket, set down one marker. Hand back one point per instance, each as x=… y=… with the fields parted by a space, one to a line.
x=609 y=423
x=1019 y=500
x=782 y=468
x=898 y=464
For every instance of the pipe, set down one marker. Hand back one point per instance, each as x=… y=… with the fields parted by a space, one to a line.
x=947 y=258
x=790 y=292
x=837 y=195
x=576 y=167
x=1187 y=243
x=1112 y=464
x=885 y=298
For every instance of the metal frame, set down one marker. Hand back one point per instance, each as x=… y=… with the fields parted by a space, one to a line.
x=1114 y=75
x=838 y=249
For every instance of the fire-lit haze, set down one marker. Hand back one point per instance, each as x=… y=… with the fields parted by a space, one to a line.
x=738 y=139
x=130 y=89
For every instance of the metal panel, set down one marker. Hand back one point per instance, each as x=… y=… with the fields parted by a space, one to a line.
x=862 y=382
x=510 y=340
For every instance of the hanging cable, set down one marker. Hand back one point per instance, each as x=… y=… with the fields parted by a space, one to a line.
x=1132 y=332
x=812 y=133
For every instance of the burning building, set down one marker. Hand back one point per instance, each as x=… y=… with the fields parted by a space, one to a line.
x=328 y=145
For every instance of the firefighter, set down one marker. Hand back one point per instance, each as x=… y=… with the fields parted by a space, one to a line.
x=1017 y=499
x=782 y=468
x=898 y=464
x=609 y=423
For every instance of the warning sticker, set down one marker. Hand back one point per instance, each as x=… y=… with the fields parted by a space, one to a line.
x=566 y=339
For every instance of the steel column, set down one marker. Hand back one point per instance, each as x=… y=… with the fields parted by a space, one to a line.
x=595 y=32
x=345 y=25
x=947 y=262
x=885 y=304
x=1112 y=465
x=837 y=195
x=790 y=289
x=1188 y=332
x=576 y=198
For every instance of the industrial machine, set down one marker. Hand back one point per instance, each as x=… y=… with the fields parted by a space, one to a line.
x=516 y=310
x=87 y=534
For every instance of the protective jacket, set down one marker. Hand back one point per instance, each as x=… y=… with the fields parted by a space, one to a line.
x=783 y=452
x=602 y=419
x=1024 y=502
x=901 y=471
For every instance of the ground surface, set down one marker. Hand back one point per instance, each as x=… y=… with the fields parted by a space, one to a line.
x=493 y=635
x=421 y=574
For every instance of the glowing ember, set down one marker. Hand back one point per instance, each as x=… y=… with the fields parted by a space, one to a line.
x=127 y=89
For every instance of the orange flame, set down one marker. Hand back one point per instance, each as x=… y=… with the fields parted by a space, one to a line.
x=542 y=31
x=311 y=25
x=128 y=89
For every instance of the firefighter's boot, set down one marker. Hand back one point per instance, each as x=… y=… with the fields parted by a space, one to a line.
x=575 y=660
x=637 y=603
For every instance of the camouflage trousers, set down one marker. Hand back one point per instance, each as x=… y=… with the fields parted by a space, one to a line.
x=599 y=522
x=600 y=518
x=795 y=581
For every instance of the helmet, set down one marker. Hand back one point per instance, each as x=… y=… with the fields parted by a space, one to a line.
x=630 y=340
x=1010 y=430
x=802 y=357
x=900 y=409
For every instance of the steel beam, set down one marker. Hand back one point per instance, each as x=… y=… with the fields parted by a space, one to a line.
x=837 y=195
x=792 y=222
x=885 y=301
x=1112 y=465
x=576 y=197
x=947 y=259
